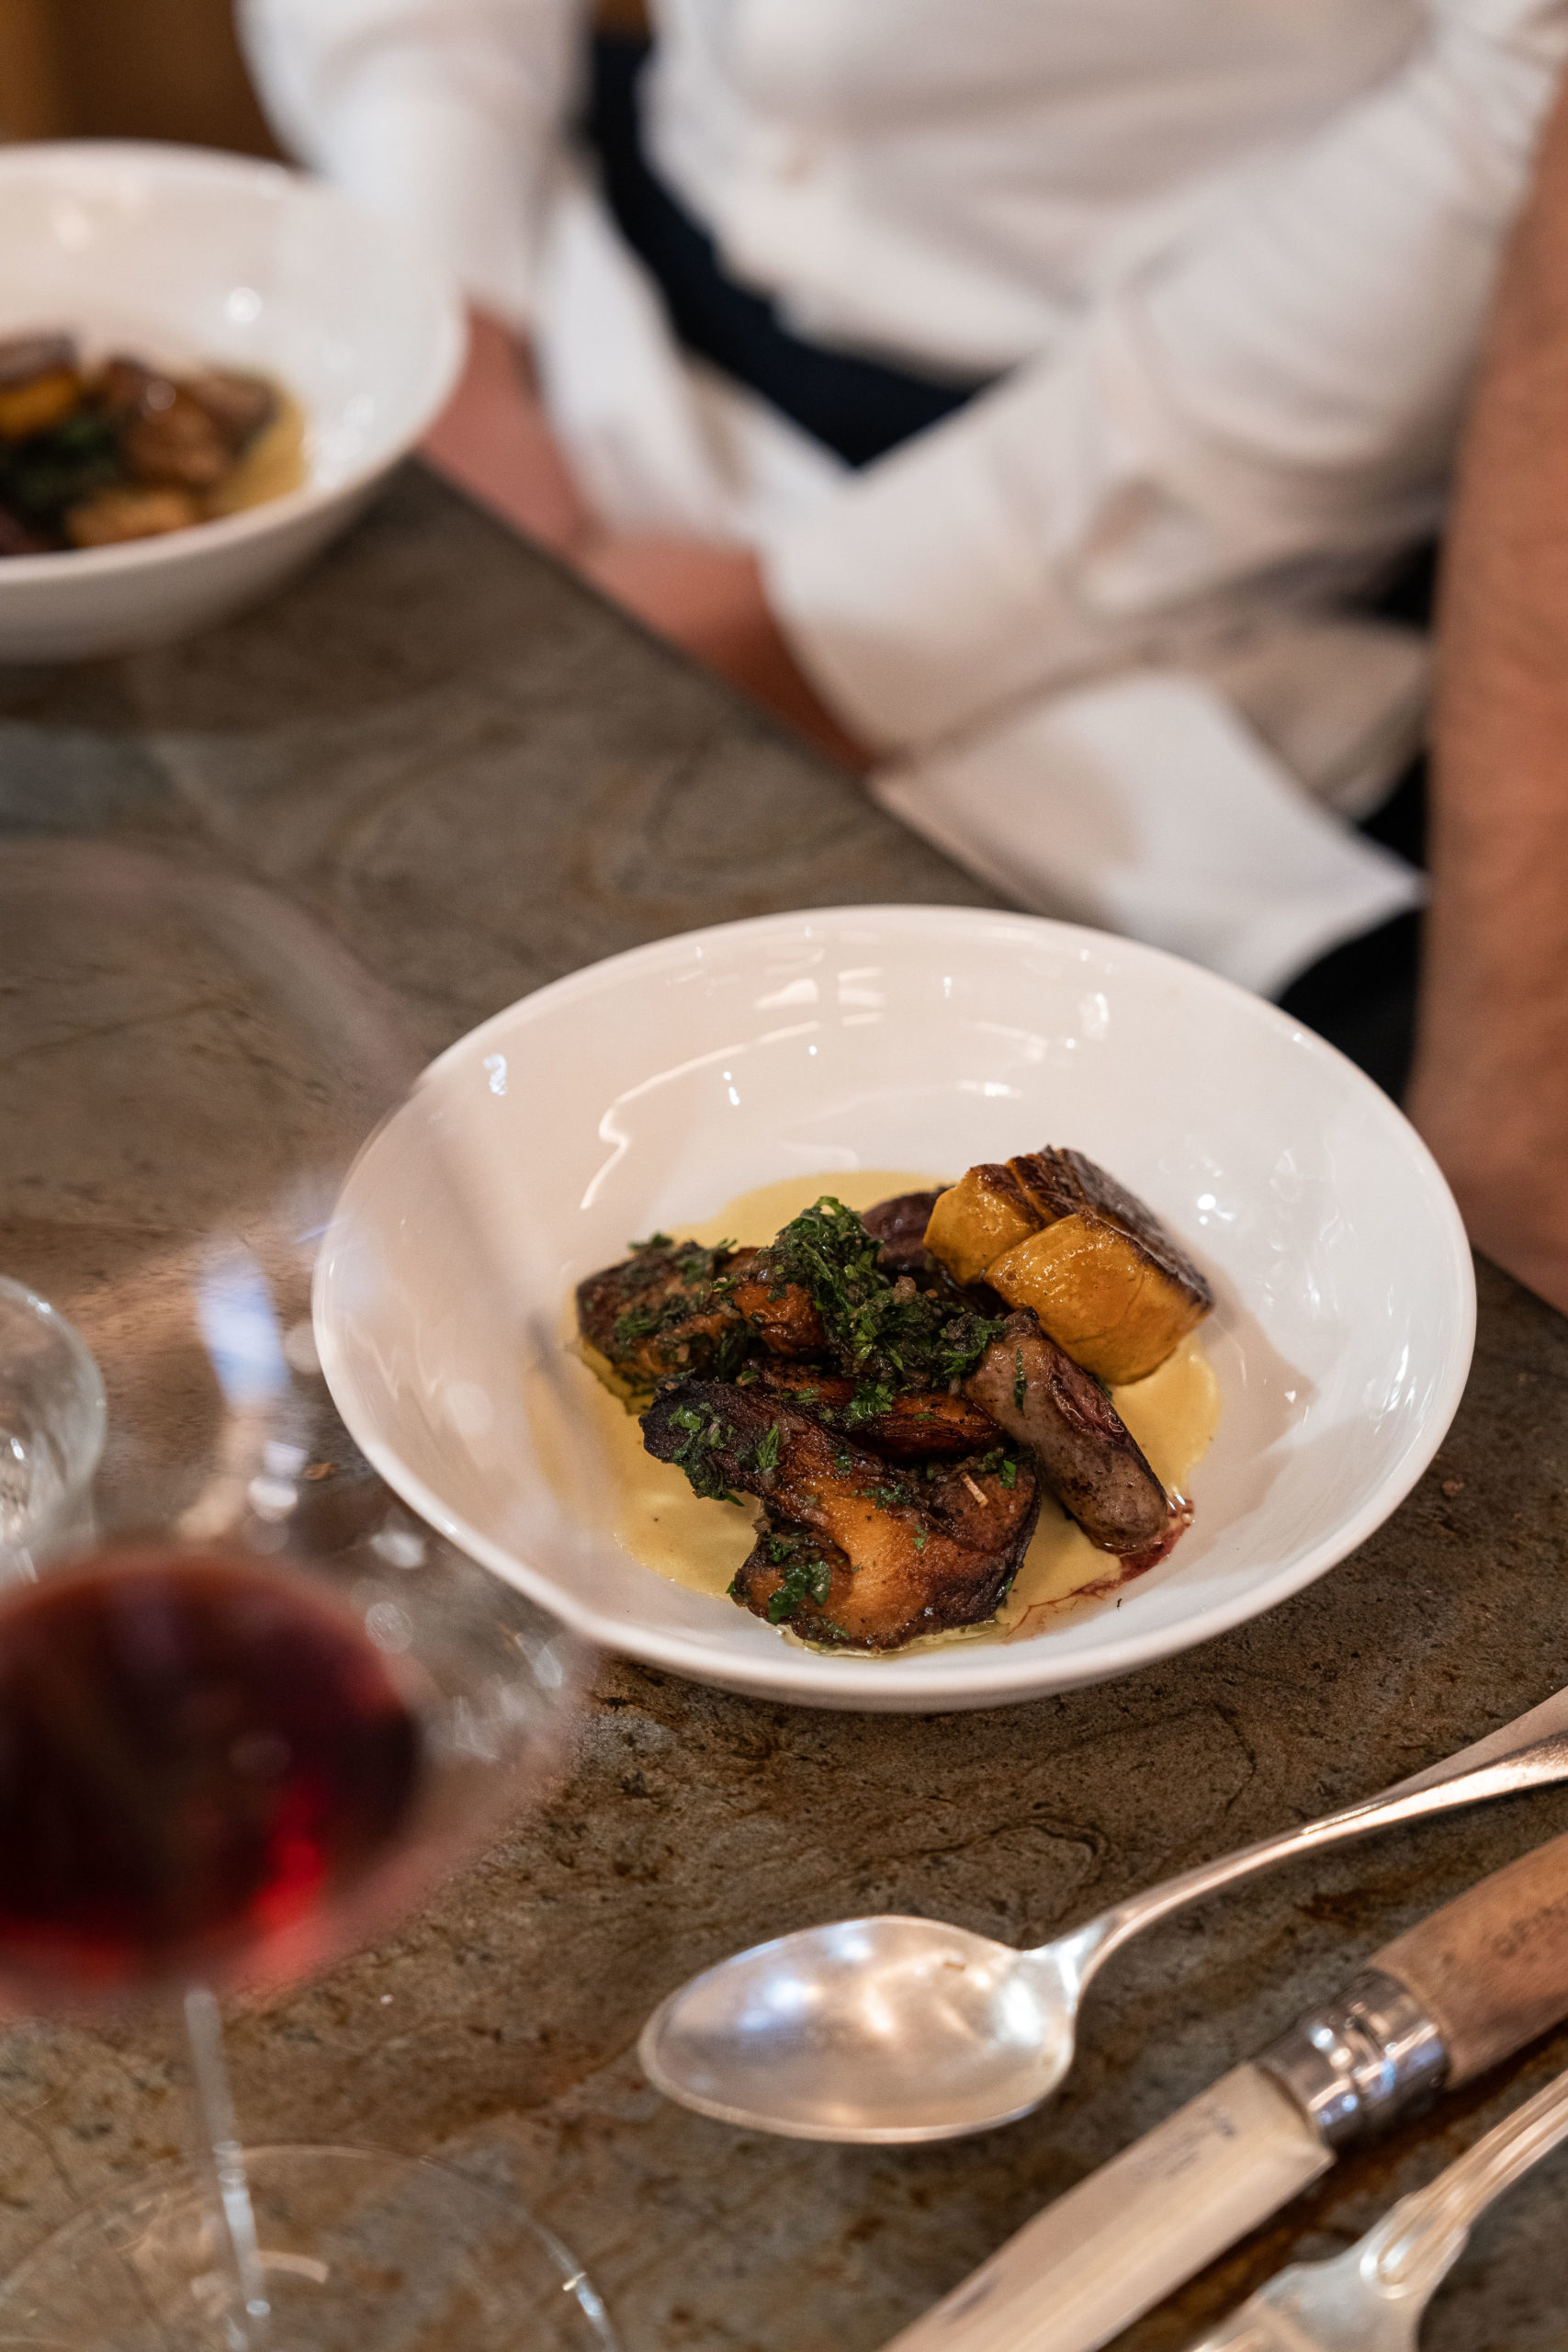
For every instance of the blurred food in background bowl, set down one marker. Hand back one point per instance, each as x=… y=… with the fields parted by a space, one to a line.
x=197 y=261
x=98 y=451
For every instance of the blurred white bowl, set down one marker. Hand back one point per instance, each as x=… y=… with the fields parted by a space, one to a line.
x=649 y=1090
x=188 y=256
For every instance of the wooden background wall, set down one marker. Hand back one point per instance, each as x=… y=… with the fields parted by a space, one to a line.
x=140 y=69
x=144 y=69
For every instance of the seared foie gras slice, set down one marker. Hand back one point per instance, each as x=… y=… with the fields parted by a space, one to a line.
x=1087 y=1455
x=1050 y=1230
x=925 y=1425
x=920 y=1554
x=978 y=1220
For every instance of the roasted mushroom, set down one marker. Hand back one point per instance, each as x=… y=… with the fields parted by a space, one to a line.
x=662 y=1312
x=673 y=1308
x=90 y=457
x=777 y=1309
x=853 y=1551
x=137 y=511
x=897 y=1424
x=239 y=405
x=898 y=1227
x=925 y=1424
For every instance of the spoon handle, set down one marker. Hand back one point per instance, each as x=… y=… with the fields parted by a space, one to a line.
x=1504 y=1769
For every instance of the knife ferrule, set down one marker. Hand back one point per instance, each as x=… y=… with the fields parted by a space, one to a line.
x=1360 y=2062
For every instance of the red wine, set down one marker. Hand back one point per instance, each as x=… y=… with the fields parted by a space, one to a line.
x=198 y=1755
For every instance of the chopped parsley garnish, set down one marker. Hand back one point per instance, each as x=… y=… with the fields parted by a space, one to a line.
x=887 y=1491
x=679 y=1302
x=803 y=1580
x=1020 y=1384
x=705 y=1435
x=889 y=1334
x=768 y=1448
x=638 y=1323
x=996 y=1464
x=807 y=1575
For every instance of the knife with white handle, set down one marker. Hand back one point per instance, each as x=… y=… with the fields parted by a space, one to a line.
x=1439 y=2004
x=1371 y=2297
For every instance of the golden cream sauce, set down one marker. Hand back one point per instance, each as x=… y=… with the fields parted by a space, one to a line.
x=698 y=1544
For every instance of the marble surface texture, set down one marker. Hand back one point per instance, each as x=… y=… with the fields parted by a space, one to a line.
x=475 y=777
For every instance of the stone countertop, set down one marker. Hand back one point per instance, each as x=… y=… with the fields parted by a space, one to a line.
x=477 y=778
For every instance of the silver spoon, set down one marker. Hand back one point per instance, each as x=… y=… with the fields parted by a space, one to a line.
x=900 y=2030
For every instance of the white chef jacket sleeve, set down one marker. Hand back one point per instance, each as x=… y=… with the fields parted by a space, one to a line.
x=1272 y=406
x=443 y=114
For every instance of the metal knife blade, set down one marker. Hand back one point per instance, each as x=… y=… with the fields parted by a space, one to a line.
x=1089 y=2264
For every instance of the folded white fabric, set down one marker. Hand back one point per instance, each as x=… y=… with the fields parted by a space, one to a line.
x=1144 y=804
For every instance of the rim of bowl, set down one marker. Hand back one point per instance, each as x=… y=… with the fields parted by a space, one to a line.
x=449 y=348
x=956 y=1677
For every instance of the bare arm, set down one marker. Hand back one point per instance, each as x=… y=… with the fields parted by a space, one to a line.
x=713 y=602
x=494 y=441
x=1490 y=1091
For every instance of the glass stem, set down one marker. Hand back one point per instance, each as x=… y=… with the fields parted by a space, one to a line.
x=247 y=2327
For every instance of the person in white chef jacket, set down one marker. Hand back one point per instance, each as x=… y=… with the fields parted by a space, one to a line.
x=1183 y=296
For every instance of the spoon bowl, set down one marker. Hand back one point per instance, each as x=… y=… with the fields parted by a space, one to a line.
x=876 y=2031
x=897 y=2030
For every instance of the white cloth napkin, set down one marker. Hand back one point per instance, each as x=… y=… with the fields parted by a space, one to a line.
x=1145 y=804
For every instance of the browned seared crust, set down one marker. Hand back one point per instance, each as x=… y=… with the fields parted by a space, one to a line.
x=927 y=1425
x=1068 y=1183
x=670 y=1290
x=1051 y=1231
x=671 y=1309
x=999 y=1178
x=978 y=1220
x=1087 y=1455
x=759 y=1582
x=908 y=1555
x=781 y=1314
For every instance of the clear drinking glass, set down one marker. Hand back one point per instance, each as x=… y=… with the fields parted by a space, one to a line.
x=51 y=1429
x=364 y=2249
x=262 y=1712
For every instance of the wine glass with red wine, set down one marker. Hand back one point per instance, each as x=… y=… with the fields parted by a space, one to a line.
x=264 y=1712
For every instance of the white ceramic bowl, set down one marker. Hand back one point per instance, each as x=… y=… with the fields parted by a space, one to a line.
x=186 y=256
x=650 y=1090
